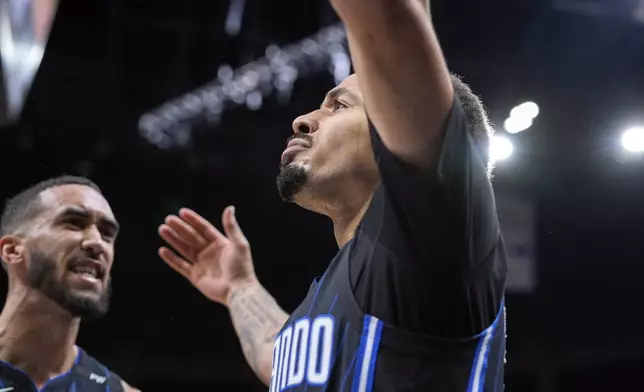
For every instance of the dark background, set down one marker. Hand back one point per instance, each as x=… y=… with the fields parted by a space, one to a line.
x=107 y=62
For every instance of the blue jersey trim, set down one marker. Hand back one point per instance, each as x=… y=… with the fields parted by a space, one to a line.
x=107 y=376
x=360 y=357
x=482 y=354
x=374 y=356
x=46 y=384
x=367 y=354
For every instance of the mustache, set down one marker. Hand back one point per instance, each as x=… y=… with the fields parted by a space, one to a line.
x=88 y=254
x=304 y=136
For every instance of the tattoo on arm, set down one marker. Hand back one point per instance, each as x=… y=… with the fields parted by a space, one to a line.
x=257 y=319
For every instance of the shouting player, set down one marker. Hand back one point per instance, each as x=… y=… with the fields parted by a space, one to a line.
x=57 y=249
x=397 y=157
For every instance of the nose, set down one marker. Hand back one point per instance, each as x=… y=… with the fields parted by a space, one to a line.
x=305 y=124
x=93 y=243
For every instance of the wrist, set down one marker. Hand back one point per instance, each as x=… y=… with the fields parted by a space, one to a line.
x=239 y=287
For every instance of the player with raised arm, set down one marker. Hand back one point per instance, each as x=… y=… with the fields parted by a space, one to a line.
x=397 y=157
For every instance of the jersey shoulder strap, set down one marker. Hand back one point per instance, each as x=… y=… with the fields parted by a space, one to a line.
x=91 y=369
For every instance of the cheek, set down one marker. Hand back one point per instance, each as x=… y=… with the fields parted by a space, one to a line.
x=343 y=135
x=329 y=144
x=110 y=260
x=349 y=147
x=57 y=249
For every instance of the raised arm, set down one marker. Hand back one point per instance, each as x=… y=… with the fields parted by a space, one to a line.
x=432 y=159
x=402 y=73
x=221 y=267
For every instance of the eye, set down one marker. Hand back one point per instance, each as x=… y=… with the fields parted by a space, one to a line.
x=339 y=105
x=108 y=235
x=75 y=223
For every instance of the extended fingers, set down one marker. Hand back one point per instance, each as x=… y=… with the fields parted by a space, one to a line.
x=231 y=227
x=175 y=262
x=186 y=232
x=200 y=224
x=176 y=241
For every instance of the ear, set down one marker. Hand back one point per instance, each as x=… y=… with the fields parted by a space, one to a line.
x=12 y=249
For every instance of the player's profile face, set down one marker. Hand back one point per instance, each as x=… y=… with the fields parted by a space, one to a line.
x=71 y=249
x=330 y=144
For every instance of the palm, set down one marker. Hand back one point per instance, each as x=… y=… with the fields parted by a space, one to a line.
x=216 y=266
x=210 y=260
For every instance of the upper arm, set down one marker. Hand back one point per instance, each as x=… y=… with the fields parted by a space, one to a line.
x=441 y=229
x=402 y=73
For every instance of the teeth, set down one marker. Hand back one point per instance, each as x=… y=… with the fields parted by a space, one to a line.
x=88 y=271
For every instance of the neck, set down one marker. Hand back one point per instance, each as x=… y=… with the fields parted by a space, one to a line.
x=345 y=201
x=37 y=335
x=346 y=222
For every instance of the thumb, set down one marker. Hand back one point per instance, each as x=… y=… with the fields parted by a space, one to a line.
x=231 y=227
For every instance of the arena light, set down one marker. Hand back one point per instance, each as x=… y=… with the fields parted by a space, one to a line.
x=517 y=124
x=633 y=140
x=24 y=32
x=525 y=110
x=521 y=117
x=170 y=125
x=501 y=148
x=235 y=17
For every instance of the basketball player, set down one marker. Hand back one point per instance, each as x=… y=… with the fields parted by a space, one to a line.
x=57 y=249
x=397 y=157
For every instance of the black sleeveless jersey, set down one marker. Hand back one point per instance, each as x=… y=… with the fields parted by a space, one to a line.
x=329 y=344
x=87 y=375
x=414 y=302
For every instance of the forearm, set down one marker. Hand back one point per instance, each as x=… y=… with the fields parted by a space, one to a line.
x=257 y=319
x=406 y=87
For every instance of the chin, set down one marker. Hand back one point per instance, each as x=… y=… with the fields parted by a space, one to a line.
x=82 y=302
x=86 y=304
x=292 y=178
x=77 y=295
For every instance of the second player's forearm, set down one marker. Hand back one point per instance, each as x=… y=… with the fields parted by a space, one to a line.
x=257 y=319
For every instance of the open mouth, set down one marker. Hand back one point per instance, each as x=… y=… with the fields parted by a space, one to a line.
x=89 y=270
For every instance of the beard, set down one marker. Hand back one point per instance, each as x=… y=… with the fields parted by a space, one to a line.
x=290 y=181
x=292 y=178
x=42 y=277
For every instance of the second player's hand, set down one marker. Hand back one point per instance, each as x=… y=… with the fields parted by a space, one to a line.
x=213 y=262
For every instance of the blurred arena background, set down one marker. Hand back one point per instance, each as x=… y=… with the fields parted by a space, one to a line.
x=188 y=103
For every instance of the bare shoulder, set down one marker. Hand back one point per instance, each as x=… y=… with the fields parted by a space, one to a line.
x=128 y=388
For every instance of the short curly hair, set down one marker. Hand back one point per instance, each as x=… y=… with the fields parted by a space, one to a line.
x=477 y=120
x=22 y=208
x=25 y=206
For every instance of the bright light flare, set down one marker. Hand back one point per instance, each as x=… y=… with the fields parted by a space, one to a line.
x=521 y=117
x=526 y=110
x=517 y=124
x=500 y=148
x=633 y=140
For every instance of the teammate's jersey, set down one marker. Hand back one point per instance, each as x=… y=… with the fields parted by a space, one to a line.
x=414 y=302
x=87 y=375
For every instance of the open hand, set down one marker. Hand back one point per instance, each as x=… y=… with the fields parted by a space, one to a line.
x=211 y=261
